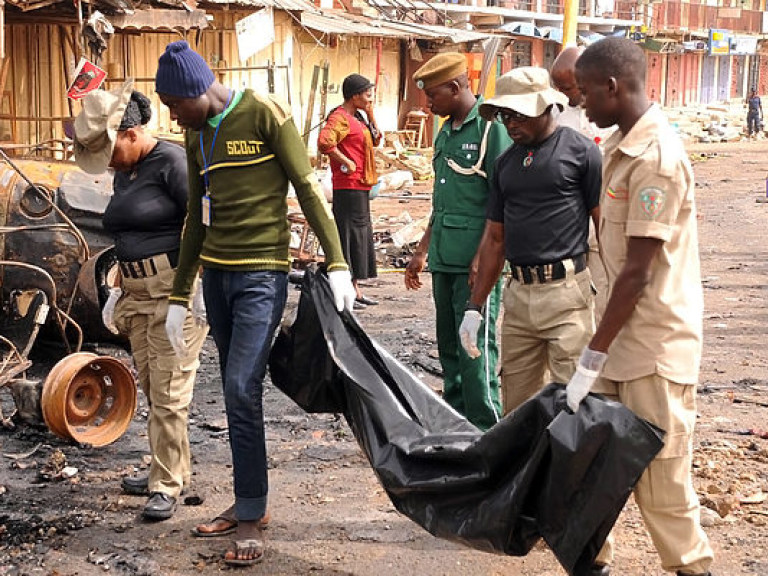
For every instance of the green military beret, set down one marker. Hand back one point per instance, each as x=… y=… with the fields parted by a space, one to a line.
x=440 y=69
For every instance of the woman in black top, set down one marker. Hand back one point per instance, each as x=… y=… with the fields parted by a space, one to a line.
x=145 y=216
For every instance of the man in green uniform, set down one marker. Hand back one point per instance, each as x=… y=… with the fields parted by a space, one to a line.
x=464 y=154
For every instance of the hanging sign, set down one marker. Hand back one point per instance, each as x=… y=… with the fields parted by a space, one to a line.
x=254 y=33
x=88 y=77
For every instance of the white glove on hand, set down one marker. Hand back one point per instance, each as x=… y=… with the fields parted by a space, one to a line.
x=198 y=307
x=587 y=371
x=108 y=313
x=470 y=324
x=174 y=328
x=343 y=291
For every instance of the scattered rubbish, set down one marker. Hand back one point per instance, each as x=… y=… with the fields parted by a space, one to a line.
x=102 y=560
x=68 y=471
x=746 y=432
x=52 y=469
x=757 y=498
x=23 y=455
x=194 y=500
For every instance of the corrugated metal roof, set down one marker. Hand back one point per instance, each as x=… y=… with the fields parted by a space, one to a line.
x=332 y=24
x=160 y=20
x=337 y=22
x=455 y=35
x=292 y=5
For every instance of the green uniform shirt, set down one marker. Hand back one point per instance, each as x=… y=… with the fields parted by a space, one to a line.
x=459 y=200
x=257 y=152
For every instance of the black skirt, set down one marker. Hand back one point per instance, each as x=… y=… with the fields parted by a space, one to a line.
x=352 y=211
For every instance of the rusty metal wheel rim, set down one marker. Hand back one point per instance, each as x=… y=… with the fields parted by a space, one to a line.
x=89 y=398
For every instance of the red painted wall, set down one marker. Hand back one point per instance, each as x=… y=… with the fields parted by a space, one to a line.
x=690 y=78
x=674 y=93
x=762 y=84
x=654 y=76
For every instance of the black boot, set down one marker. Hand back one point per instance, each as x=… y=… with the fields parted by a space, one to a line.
x=139 y=486
x=159 y=506
x=135 y=485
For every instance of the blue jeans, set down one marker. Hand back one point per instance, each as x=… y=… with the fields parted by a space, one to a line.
x=244 y=310
x=753 y=123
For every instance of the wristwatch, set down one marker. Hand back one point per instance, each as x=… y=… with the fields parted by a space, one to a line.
x=474 y=307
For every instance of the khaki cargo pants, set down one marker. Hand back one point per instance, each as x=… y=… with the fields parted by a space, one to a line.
x=544 y=330
x=665 y=494
x=166 y=380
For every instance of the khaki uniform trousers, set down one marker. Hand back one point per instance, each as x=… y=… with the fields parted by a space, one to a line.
x=545 y=327
x=166 y=380
x=665 y=494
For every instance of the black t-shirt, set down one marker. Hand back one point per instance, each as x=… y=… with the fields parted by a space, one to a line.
x=146 y=212
x=544 y=194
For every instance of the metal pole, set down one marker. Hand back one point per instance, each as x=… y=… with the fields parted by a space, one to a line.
x=570 y=15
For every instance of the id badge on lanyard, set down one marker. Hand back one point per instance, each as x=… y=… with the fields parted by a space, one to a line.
x=206 y=208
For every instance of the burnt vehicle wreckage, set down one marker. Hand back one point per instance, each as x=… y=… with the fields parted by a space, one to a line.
x=55 y=265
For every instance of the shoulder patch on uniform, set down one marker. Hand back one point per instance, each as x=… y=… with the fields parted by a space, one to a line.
x=652 y=201
x=278 y=107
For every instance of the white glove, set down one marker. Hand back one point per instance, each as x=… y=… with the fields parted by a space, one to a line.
x=343 y=291
x=108 y=313
x=174 y=328
x=198 y=307
x=587 y=371
x=470 y=324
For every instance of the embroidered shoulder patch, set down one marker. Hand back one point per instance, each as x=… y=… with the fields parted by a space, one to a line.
x=652 y=201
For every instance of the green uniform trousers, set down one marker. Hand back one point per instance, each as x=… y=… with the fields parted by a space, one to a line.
x=166 y=380
x=471 y=386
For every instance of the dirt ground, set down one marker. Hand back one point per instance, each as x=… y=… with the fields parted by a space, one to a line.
x=329 y=514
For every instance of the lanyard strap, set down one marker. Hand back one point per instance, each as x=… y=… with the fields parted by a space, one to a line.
x=207 y=161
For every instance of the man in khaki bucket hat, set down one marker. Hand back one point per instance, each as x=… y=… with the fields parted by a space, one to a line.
x=543 y=192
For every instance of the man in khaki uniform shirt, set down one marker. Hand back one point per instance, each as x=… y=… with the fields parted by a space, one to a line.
x=647 y=347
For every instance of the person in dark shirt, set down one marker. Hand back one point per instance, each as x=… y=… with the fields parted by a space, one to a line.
x=543 y=192
x=754 y=113
x=145 y=216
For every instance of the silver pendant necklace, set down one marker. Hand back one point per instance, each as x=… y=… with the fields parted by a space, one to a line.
x=528 y=160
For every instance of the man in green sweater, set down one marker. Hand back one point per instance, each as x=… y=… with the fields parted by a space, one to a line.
x=242 y=151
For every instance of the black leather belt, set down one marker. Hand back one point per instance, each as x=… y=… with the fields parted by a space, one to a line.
x=148 y=266
x=543 y=273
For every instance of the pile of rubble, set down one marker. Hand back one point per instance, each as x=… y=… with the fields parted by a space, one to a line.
x=711 y=122
x=394 y=155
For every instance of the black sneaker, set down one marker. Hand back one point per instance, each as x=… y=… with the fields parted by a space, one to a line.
x=600 y=570
x=159 y=506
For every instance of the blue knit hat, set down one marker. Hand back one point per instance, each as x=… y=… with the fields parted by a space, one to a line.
x=182 y=72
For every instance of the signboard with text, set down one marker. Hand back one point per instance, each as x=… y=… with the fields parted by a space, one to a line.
x=744 y=45
x=719 y=42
